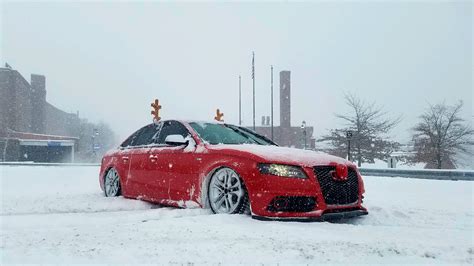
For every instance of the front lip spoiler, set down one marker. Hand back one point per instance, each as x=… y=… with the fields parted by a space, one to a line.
x=325 y=217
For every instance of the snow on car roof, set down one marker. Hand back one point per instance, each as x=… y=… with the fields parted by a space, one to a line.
x=201 y=122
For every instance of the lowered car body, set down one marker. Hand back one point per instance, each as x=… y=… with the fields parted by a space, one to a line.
x=230 y=169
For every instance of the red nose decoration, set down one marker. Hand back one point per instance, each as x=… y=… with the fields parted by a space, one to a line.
x=341 y=172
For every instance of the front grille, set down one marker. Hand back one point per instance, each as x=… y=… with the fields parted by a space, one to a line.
x=337 y=192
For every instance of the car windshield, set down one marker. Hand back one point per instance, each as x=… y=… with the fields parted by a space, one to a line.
x=228 y=134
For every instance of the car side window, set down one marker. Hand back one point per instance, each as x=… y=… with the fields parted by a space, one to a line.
x=171 y=128
x=145 y=137
x=128 y=142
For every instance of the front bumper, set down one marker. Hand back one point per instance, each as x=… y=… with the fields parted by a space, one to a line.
x=334 y=216
x=265 y=189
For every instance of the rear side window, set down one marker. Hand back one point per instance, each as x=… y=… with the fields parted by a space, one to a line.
x=143 y=136
x=146 y=136
x=129 y=140
x=171 y=128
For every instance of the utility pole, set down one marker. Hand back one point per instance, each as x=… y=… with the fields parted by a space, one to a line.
x=271 y=112
x=253 y=80
x=240 y=100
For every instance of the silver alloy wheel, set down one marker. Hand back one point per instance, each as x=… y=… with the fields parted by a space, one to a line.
x=112 y=183
x=225 y=191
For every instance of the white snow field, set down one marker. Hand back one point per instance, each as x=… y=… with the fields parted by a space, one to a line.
x=59 y=215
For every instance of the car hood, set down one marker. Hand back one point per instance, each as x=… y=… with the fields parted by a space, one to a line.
x=276 y=154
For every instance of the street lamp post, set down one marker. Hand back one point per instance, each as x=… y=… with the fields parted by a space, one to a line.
x=95 y=134
x=349 y=136
x=303 y=126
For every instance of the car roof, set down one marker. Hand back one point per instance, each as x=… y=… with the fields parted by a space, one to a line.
x=197 y=121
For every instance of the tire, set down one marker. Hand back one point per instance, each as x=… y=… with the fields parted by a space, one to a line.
x=112 y=187
x=227 y=193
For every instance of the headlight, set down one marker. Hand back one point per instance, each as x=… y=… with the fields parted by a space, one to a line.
x=281 y=170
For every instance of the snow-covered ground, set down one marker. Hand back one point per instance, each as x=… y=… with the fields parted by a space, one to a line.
x=58 y=215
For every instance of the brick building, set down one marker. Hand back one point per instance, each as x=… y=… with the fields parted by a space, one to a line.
x=285 y=134
x=31 y=129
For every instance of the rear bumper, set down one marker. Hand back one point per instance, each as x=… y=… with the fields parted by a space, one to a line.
x=332 y=216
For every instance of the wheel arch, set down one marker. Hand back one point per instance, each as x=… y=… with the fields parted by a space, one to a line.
x=204 y=198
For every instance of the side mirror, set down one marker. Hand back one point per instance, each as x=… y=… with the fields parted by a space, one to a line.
x=175 y=140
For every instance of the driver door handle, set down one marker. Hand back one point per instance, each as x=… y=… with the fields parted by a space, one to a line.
x=125 y=159
x=153 y=158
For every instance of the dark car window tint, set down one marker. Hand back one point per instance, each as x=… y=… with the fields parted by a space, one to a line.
x=171 y=128
x=145 y=137
x=154 y=138
x=129 y=140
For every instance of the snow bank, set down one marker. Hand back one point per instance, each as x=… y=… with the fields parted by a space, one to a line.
x=58 y=215
x=380 y=164
x=52 y=189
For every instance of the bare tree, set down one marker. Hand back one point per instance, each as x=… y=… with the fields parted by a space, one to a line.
x=440 y=135
x=370 y=129
x=105 y=139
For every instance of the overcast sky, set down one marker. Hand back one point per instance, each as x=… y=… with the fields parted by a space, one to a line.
x=110 y=60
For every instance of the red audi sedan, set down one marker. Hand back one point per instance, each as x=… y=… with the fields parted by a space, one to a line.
x=230 y=169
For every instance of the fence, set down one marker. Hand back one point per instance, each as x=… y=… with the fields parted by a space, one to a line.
x=421 y=174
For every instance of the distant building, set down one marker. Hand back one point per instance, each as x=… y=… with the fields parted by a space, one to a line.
x=285 y=134
x=31 y=129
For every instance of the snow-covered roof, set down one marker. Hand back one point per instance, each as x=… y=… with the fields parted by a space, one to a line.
x=33 y=136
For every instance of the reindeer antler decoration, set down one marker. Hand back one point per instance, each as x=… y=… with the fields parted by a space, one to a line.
x=219 y=116
x=156 y=110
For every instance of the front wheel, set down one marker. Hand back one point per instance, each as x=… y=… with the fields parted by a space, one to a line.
x=112 y=184
x=227 y=193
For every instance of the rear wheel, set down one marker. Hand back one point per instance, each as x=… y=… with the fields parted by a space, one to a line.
x=112 y=184
x=227 y=193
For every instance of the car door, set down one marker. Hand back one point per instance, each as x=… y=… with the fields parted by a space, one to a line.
x=123 y=163
x=137 y=179
x=174 y=170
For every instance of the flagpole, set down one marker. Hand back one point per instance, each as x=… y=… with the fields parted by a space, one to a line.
x=240 y=100
x=253 y=80
x=271 y=112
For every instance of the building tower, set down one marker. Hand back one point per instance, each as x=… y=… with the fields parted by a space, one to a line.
x=285 y=99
